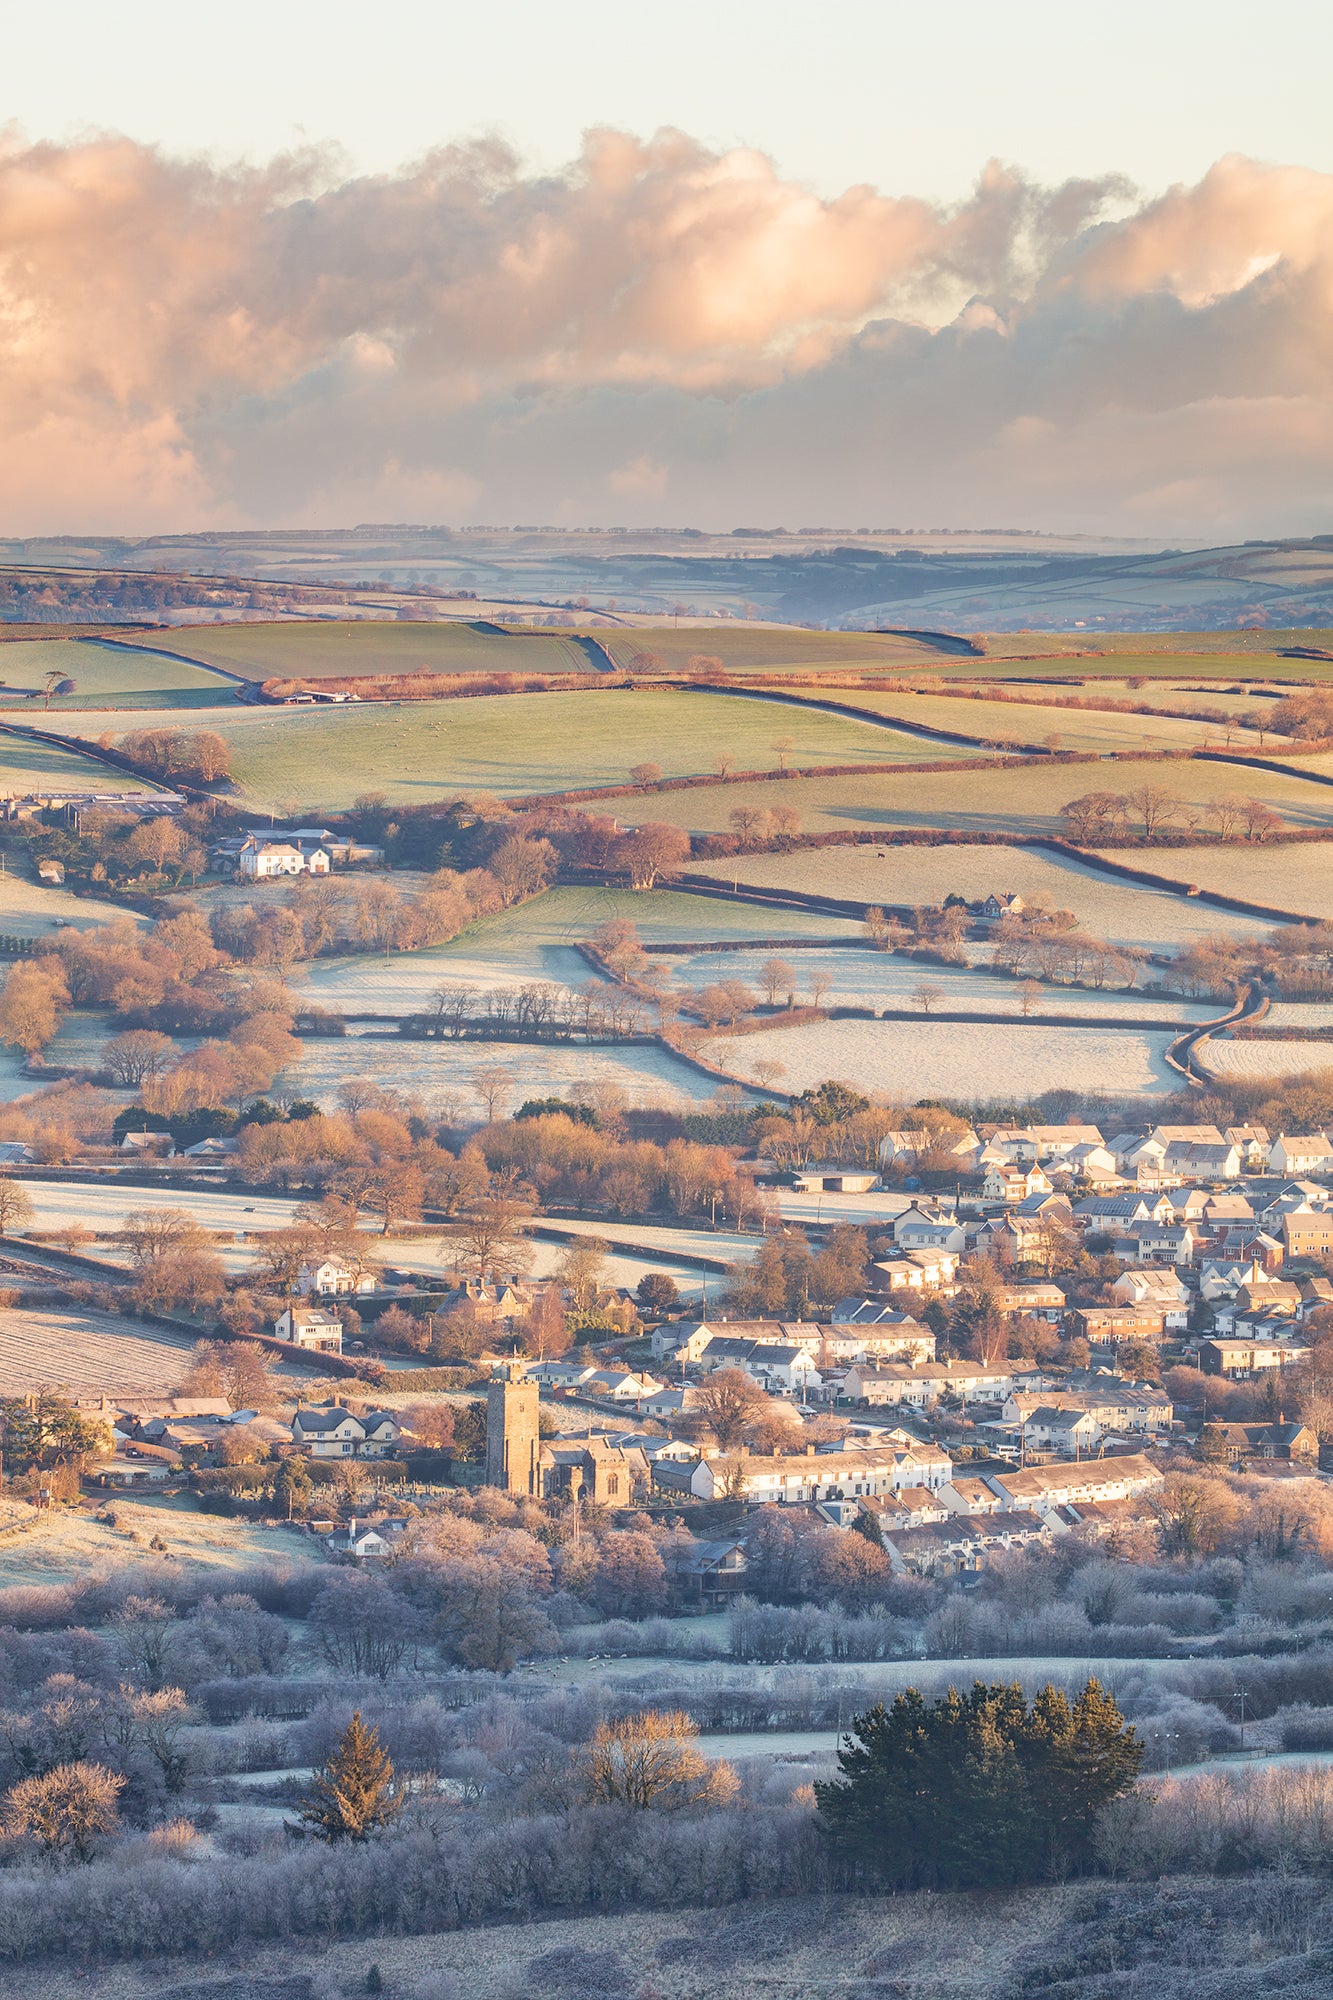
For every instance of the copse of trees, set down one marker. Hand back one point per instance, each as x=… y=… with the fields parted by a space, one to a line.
x=199 y=755
x=982 y=1790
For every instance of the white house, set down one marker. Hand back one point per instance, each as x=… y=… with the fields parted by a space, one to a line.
x=331 y=1279
x=310 y=1326
x=261 y=860
x=918 y=1229
x=1155 y=1291
x=1311 y=1154
x=329 y=1431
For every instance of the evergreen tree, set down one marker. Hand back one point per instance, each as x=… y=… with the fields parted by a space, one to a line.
x=352 y=1796
x=978 y=1790
x=291 y=1488
x=868 y=1525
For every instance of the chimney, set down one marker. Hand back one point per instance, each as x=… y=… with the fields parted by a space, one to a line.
x=809 y=1451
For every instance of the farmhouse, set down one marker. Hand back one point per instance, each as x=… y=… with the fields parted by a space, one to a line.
x=329 y=1431
x=331 y=1279
x=261 y=860
x=310 y=1326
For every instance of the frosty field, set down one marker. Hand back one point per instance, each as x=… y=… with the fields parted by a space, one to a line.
x=905 y=1061
x=534 y=942
x=29 y=909
x=87 y=1353
x=1297 y=876
x=1262 y=1059
x=431 y=1070
x=1121 y=912
x=884 y=979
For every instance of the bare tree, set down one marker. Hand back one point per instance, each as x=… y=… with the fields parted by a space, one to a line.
x=775 y=977
x=494 y=1088
x=927 y=998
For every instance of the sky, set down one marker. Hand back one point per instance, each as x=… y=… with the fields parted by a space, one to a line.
x=1029 y=265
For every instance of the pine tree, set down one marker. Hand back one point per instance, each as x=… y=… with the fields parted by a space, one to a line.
x=291 y=1488
x=978 y=1790
x=352 y=1796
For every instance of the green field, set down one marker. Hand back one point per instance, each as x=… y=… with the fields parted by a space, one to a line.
x=39 y=767
x=306 y=650
x=506 y=744
x=109 y=676
x=1033 y=722
x=758 y=648
x=1023 y=798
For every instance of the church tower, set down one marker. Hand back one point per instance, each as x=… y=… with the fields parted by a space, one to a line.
x=511 y=1431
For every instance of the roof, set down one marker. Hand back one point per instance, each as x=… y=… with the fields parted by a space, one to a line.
x=1041 y=1481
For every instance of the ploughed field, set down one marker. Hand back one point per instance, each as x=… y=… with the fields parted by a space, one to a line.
x=88 y=1353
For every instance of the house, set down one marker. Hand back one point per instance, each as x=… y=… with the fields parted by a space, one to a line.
x=332 y=1278
x=1308 y=1234
x=1310 y=1154
x=809 y=1476
x=777 y=1365
x=211 y=1149
x=688 y=1339
x=919 y=1228
x=1031 y=1301
x=310 y=1326
x=878 y=1382
x=894 y=1332
x=1052 y=1428
x=1168 y=1242
x=261 y=860
x=1253 y=1142
x=907 y=1149
x=157 y=1145
x=995 y=906
x=1156 y=1291
x=1108 y=1325
x=923 y=1271
x=1241 y=1358
x=962 y=1544
x=1014 y=1182
x=1043 y=1488
x=1202 y=1160
x=1101 y=1213
x=1119 y=1410
x=358 y=1540
x=49 y=870
x=716 y=1571
x=621 y=1385
x=1091 y=1163
x=327 y=1430
x=1281 y=1440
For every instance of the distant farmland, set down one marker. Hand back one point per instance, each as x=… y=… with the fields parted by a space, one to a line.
x=309 y=650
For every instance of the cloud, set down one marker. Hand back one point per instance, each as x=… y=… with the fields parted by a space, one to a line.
x=186 y=344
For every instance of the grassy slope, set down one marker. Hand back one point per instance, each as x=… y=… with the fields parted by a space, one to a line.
x=34 y=767
x=1010 y=799
x=531 y=743
x=114 y=676
x=753 y=648
x=1033 y=722
x=366 y=647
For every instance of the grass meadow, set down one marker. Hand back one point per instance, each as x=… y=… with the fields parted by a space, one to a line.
x=1298 y=877
x=113 y=676
x=311 y=649
x=1010 y=799
x=1035 y=722
x=320 y=759
x=27 y=766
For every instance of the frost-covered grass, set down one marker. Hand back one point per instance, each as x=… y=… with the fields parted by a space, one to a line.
x=1261 y=1059
x=908 y=1060
x=533 y=942
x=1121 y=912
x=434 y=1070
x=1300 y=1014
x=29 y=909
x=883 y=979
x=29 y=766
x=1296 y=877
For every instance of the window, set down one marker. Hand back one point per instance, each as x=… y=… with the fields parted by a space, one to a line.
x=613 y=1482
